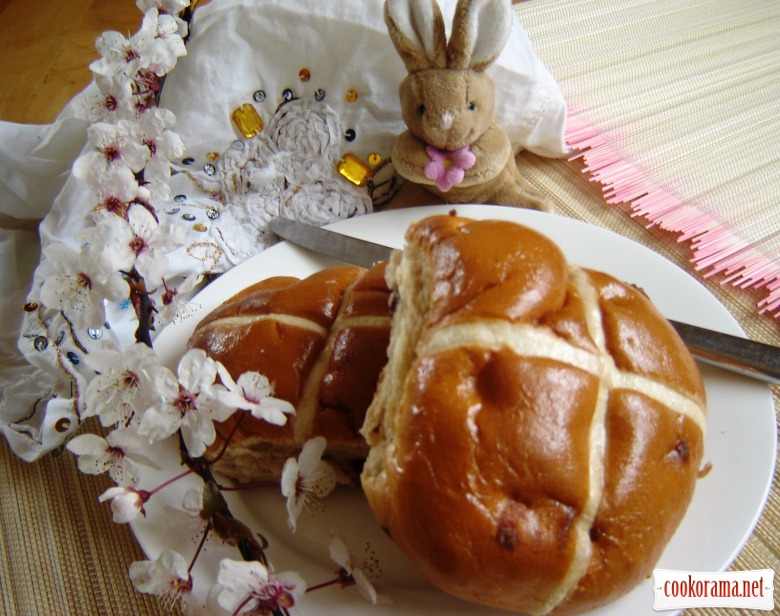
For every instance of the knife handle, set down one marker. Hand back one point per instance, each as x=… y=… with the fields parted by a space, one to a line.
x=749 y=357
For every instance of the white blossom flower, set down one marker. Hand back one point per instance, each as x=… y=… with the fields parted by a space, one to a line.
x=248 y=587
x=144 y=195
x=190 y=403
x=117 y=454
x=153 y=49
x=167 y=45
x=353 y=569
x=123 y=386
x=113 y=145
x=159 y=190
x=151 y=242
x=108 y=241
x=138 y=242
x=115 y=189
x=112 y=102
x=168 y=146
x=189 y=515
x=307 y=481
x=81 y=283
x=120 y=55
x=126 y=503
x=169 y=7
x=254 y=393
x=168 y=577
x=151 y=130
x=175 y=303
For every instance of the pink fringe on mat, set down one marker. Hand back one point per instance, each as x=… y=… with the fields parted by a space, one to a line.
x=716 y=251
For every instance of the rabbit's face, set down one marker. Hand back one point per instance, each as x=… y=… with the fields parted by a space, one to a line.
x=446 y=108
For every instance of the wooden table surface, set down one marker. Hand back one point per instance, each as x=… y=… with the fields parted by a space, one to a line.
x=45 y=50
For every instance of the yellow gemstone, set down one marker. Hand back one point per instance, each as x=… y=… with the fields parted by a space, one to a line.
x=200 y=227
x=212 y=156
x=354 y=169
x=374 y=159
x=352 y=96
x=247 y=120
x=304 y=74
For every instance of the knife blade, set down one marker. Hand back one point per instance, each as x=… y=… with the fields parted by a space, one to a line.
x=740 y=355
x=325 y=242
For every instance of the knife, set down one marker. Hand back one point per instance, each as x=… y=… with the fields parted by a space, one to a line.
x=741 y=355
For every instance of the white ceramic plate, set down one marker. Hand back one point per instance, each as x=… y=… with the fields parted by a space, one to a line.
x=740 y=441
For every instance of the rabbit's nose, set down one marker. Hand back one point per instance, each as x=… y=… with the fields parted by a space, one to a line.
x=446 y=119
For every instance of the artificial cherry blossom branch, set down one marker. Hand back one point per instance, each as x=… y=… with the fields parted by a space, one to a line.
x=201 y=543
x=229 y=438
x=124 y=256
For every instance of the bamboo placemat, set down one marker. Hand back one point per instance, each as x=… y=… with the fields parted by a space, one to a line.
x=674 y=106
x=60 y=553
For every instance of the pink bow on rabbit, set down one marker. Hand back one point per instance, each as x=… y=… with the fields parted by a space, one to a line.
x=447 y=102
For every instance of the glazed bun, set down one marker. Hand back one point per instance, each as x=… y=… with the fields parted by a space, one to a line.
x=537 y=432
x=322 y=342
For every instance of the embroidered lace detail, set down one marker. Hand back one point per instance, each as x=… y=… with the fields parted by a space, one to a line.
x=288 y=170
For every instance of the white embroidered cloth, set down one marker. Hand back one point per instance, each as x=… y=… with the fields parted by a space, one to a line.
x=323 y=80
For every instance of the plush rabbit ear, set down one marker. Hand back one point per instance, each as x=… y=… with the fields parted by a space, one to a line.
x=416 y=28
x=480 y=30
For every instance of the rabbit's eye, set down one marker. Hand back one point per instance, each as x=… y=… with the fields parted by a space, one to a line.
x=472 y=106
x=421 y=109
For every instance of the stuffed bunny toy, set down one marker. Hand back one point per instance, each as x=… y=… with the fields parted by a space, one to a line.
x=454 y=146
